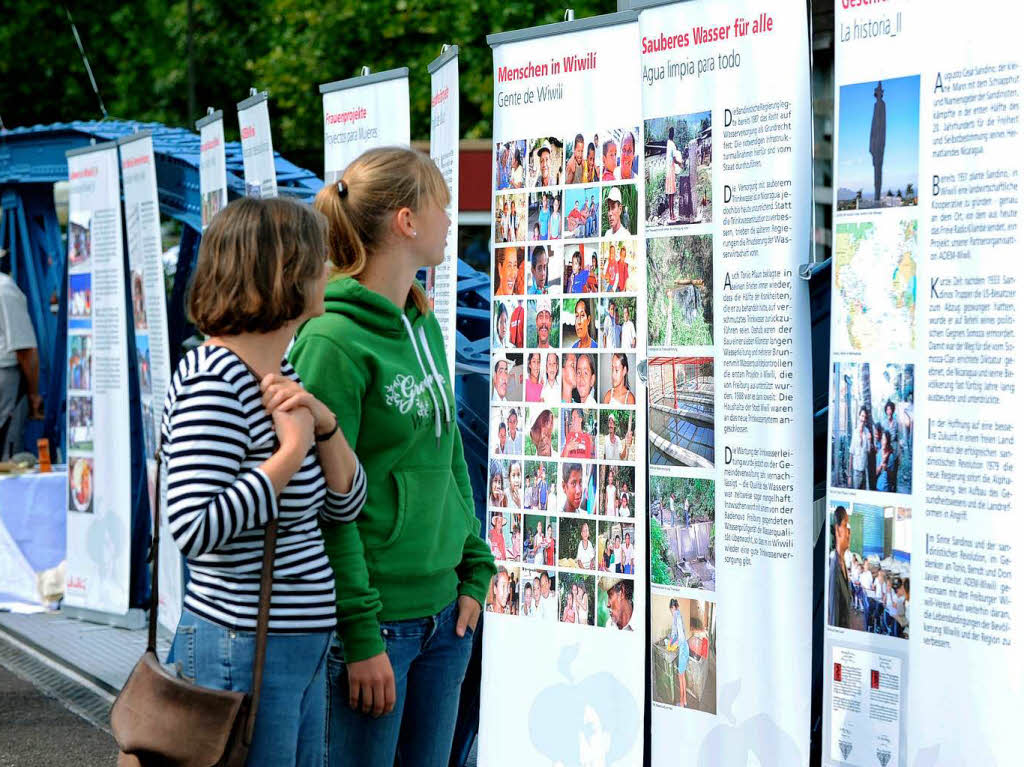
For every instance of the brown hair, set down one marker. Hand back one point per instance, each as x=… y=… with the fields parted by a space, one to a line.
x=255 y=263
x=377 y=183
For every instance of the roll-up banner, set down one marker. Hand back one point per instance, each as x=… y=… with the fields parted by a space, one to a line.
x=564 y=646
x=213 y=175
x=149 y=317
x=362 y=113
x=922 y=490
x=257 y=147
x=98 y=425
x=727 y=158
x=443 y=279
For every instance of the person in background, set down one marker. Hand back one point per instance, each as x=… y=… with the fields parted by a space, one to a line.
x=574 y=167
x=515 y=435
x=611 y=273
x=839 y=580
x=860 y=449
x=513 y=222
x=534 y=387
x=542 y=489
x=517 y=176
x=885 y=481
x=501 y=327
x=570 y=394
x=625 y=169
x=622 y=270
x=678 y=637
x=244 y=444
x=627 y=554
x=544 y=217
x=628 y=330
x=611 y=493
x=539 y=270
x=583 y=319
x=620 y=606
x=608 y=156
x=551 y=394
x=19 y=368
x=527 y=610
x=549 y=551
x=592 y=285
x=624 y=505
x=496 y=537
x=580 y=276
x=555 y=223
x=590 y=166
x=585 y=551
x=408 y=604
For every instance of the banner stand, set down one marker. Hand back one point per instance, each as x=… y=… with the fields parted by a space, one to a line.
x=135 y=618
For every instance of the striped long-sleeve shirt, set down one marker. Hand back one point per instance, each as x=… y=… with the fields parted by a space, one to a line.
x=216 y=434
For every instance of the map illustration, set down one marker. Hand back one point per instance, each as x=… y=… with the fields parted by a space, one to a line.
x=876 y=281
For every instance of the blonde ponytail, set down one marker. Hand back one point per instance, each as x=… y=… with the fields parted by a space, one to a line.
x=376 y=184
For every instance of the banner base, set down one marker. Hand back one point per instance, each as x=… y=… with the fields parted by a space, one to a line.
x=134 y=619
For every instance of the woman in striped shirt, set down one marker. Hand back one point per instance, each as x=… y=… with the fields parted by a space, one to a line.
x=244 y=443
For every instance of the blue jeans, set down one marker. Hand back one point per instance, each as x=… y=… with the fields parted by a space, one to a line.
x=429 y=660
x=292 y=717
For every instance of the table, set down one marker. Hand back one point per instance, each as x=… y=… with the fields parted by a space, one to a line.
x=33 y=531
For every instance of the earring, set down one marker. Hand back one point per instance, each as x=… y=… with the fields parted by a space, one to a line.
x=414 y=234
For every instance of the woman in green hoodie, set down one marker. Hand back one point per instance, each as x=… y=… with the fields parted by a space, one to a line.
x=413 y=574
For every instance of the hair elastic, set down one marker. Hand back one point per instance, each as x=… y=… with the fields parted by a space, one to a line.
x=342 y=188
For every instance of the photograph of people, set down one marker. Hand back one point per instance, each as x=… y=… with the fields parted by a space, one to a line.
x=620 y=206
x=499 y=427
x=543 y=435
x=542 y=209
x=79 y=238
x=619 y=160
x=579 y=428
x=617 y=488
x=540 y=542
x=138 y=301
x=80 y=362
x=80 y=300
x=628 y=335
x=581 y=212
x=681 y=526
x=578 y=328
x=869 y=568
x=509 y=271
x=679 y=296
x=499 y=339
x=577 y=547
x=507 y=377
x=573 y=488
x=684 y=662
x=617 y=435
x=142 y=360
x=534 y=377
x=510 y=214
x=542 y=494
x=503 y=595
x=514 y=489
x=496 y=537
x=497 y=471
x=510 y=171
x=576 y=278
x=575 y=598
x=570 y=394
x=586 y=378
x=873 y=431
x=879 y=126
x=542 y=587
x=543 y=326
x=545 y=162
x=551 y=393
x=80 y=423
x=615 y=605
x=581 y=161
x=617 y=379
x=677 y=169
x=615 y=547
x=545 y=271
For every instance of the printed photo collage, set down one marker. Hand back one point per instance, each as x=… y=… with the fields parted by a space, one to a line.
x=80 y=423
x=680 y=311
x=875 y=338
x=561 y=475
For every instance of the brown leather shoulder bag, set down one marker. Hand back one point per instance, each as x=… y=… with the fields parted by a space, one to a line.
x=162 y=720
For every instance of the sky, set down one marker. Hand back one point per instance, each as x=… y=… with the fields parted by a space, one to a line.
x=902 y=107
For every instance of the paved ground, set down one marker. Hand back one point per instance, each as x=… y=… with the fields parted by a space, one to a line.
x=37 y=731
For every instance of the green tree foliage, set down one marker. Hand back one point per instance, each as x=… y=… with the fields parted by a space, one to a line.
x=139 y=54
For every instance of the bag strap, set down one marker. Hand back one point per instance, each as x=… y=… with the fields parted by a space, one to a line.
x=266 y=584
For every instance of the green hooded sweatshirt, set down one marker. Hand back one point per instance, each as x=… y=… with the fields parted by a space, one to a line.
x=416 y=545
